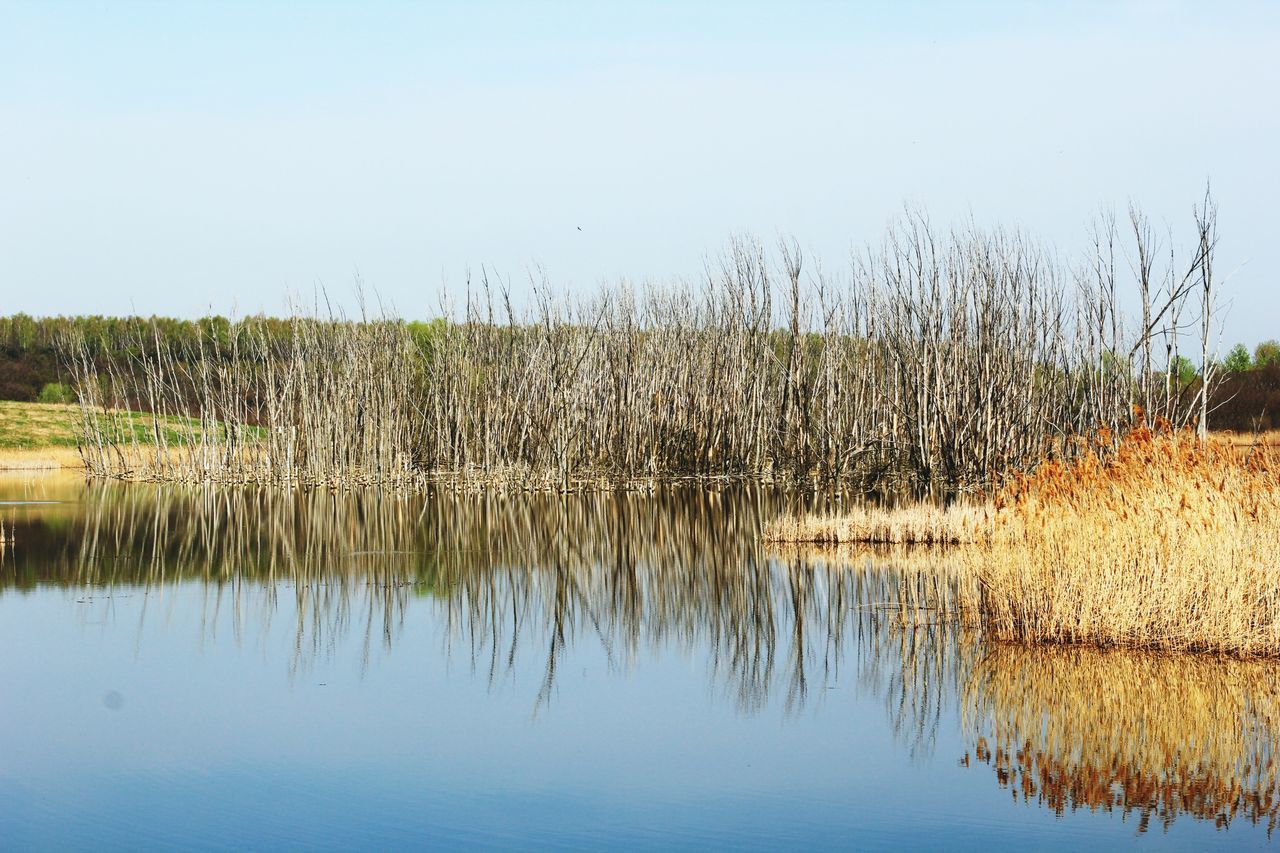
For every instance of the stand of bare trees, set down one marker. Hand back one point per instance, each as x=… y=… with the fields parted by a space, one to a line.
x=331 y=404
x=938 y=360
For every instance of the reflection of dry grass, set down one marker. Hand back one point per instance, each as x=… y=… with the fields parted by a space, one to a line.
x=1149 y=734
x=920 y=586
x=1165 y=544
x=922 y=524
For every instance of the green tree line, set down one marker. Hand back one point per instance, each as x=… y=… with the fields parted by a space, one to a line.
x=32 y=367
x=1248 y=397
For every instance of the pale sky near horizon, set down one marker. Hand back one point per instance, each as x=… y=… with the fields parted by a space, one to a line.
x=181 y=158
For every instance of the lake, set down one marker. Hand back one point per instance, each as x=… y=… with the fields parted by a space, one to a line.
x=246 y=669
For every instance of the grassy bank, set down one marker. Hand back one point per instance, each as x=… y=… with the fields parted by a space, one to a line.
x=38 y=436
x=35 y=436
x=32 y=426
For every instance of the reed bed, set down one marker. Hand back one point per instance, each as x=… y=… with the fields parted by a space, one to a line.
x=1150 y=735
x=935 y=359
x=1157 y=540
x=1167 y=542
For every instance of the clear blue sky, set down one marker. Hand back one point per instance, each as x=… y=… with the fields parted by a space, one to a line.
x=179 y=157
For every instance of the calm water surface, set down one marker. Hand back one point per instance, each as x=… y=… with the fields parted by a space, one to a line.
x=238 y=669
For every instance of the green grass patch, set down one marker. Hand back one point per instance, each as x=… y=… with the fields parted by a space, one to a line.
x=31 y=426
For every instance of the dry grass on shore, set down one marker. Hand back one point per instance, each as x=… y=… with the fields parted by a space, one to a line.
x=1247 y=440
x=39 y=458
x=922 y=524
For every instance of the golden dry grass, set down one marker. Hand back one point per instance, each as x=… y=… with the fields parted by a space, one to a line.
x=39 y=459
x=1167 y=543
x=1156 y=735
x=1246 y=440
x=922 y=524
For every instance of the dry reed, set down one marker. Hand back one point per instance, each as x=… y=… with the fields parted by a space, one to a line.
x=1158 y=540
x=1167 y=542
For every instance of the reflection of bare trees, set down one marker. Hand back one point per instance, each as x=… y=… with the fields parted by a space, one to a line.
x=914 y=641
x=510 y=577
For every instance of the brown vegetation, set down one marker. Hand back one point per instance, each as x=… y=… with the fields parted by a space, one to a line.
x=1248 y=401
x=39 y=459
x=1166 y=542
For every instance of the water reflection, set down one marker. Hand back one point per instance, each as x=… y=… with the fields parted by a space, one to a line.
x=517 y=583
x=514 y=577
x=1145 y=735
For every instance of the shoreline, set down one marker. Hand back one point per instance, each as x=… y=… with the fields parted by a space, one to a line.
x=52 y=458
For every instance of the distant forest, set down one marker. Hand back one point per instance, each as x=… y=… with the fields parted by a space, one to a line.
x=1246 y=397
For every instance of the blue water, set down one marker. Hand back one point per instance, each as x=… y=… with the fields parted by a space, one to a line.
x=165 y=697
